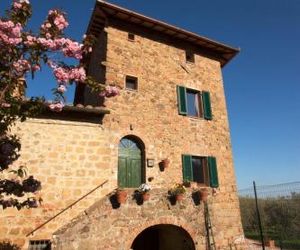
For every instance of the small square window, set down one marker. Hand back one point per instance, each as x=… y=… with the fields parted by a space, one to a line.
x=194 y=107
x=131 y=37
x=131 y=83
x=190 y=57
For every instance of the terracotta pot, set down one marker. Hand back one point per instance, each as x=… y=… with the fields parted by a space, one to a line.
x=203 y=194
x=179 y=197
x=165 y=163
x=121 y=196
x=146 y=196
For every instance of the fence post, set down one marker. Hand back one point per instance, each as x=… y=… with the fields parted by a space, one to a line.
x=258 y=217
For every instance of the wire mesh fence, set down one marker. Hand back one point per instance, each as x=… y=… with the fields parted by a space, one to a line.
x=279 y=209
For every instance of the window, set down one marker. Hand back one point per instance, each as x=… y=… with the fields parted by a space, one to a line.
x=194 y=103
x=39 y=245
x=131 y=37
x=190 y=57
x=131 y=82
x=202 y=170
x=193 y=99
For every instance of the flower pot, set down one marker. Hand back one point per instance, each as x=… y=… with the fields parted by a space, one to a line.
x=121 y=196
x=179 y=197
x=203 y=195
x=146 y=196
x=165 y=163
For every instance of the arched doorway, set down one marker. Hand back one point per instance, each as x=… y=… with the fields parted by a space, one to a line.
x=163 y=237
x=131 y=171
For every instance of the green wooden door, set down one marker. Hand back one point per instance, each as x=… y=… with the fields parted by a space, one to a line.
x=130 y=164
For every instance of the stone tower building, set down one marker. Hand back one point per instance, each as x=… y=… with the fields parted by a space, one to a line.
x=168 y=125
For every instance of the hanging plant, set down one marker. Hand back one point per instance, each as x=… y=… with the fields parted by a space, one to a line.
x=203 y=194
x=121 y=195
x=144 y=191
x=178 y=191
x=165 y=163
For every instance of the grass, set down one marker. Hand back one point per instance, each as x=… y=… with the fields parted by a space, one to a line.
x=286 y=244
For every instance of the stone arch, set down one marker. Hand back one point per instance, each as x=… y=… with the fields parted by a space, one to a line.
x=140 y=137
x=167 y=220
x=163 y=237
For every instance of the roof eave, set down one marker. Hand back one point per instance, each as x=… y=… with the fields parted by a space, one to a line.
x=103 y=9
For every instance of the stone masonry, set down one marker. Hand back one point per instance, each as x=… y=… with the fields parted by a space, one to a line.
x=73 y=157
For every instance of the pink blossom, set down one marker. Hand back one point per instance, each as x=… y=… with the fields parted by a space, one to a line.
x=36 y=68
x=61 y=74
x=48 y=35
x=60 y=22
x=72 y=49
x=52 y=12
x=78 y=74
x=30 y=40
x=47 y=43
x=57 y=107
x=17 y=5
x=65 y=75
x=10 y=33
x=60 y=42
x=21 y=66
x=62 y=89
x=110 y=91
x=5 y=105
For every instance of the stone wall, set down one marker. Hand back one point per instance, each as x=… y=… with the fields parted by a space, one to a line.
x=71 y=158
x=111 y=227
x=151 y=113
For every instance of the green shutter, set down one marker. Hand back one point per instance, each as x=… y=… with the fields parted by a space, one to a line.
x=213 y=172
x=206 y=105
x=181 y=96
x=187 y=168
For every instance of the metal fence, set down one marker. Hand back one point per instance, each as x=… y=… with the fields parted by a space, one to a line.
x=273 y=216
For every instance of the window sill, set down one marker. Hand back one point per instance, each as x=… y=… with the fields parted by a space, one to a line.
x=190 y=63
x=197 y=185
x=131 y=90
x=195 y=118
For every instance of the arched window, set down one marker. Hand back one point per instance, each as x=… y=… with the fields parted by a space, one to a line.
x=131 y=171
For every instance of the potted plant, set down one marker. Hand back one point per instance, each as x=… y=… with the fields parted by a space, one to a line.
x=144 y=191
x=203 y=194
x=121 y=195
x=165 y=163
x=178 y=191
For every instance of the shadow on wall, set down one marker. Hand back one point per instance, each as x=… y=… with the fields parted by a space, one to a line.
x=163 y=237
x=6 y=245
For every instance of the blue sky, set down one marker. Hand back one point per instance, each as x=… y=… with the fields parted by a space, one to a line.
x=262 y=83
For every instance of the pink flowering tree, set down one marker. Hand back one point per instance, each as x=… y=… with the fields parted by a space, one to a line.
x=23 y=53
